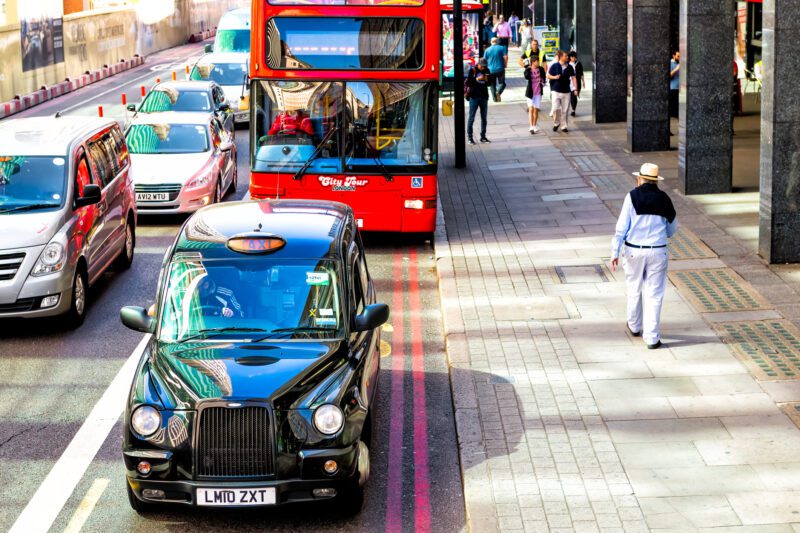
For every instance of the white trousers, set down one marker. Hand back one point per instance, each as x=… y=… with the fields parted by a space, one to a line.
x=560 y=110
x=646 y=278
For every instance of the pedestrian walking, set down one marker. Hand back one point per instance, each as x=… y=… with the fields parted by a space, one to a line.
x=534 y=89
x=513 y=21
x=503 y=32
x=497 y=60
x=477 y=93
x=644 y=226
x=561 y=74
x=525 y=34
x=488 y=24
x=579 y=79
x=532 y=51
x=674 y=83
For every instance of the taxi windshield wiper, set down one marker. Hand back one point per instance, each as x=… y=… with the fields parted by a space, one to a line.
x=204 y=333
x=317 y=150
x=29 y=207
x=299 y=329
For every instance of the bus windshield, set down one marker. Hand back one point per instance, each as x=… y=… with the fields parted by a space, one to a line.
x=356 y=127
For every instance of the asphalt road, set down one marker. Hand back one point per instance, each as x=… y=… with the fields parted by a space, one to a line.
x=52 y=380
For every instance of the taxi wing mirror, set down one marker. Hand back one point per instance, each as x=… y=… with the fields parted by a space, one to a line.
x=208 y=48
x=224 y=106
x=91 y=195
x=131 y=107
x=136 y=318
x=372 y=317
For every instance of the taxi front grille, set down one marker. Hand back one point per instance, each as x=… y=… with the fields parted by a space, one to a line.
x=9 y=264
x=234 y=442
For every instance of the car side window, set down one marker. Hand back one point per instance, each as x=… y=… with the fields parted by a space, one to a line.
x=215 y=135
x=102 y=160
x=219 y=97
x=120 y=148
x=82 y=175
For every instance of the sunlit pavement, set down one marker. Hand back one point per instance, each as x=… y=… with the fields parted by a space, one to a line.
x=62 y=391
x=565 y=421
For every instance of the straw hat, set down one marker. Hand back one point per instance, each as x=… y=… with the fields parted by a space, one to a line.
x=649 y=171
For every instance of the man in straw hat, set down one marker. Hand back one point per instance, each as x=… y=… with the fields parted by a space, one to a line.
x=645 y=224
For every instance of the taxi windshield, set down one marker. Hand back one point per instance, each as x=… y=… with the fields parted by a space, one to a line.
x=31 y=183
x=222 y=73
x=167 y=139
x=169 y=99
x=252 y=298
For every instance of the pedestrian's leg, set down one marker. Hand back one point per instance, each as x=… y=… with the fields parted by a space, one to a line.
x=531 y=114
x=633 y=263
x=484 y=103
x=554 y=109
x=655 y=282
x=573 y=103
x=492 y=89
x=535 y=112
x=564 y=111
x=501 y=82
x=473 y=108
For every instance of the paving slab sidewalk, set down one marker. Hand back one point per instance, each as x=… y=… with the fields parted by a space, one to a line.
x=565 y=422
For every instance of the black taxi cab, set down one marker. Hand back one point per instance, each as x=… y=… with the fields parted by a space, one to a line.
x=257 y=385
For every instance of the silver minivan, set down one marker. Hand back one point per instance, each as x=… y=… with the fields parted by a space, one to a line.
x=67 y=212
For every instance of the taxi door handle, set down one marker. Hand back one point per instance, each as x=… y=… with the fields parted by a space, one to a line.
x=102 y=207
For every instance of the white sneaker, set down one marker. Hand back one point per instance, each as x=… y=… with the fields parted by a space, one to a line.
x=536 y=129
x=532 y=129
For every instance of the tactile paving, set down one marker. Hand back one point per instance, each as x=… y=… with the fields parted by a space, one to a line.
x=770 y=348
x=574 y=145
x=717 y=290
x=684 y=245
x=612 y=184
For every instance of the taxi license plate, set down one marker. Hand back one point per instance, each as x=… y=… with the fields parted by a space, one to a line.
x=249 y=496
x=152 y=196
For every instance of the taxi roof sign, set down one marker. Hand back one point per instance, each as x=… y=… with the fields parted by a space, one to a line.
x=255 y=243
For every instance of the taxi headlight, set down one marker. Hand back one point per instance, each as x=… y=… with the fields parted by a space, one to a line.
x=145 y=420
x=50 y=260
x=328 y=419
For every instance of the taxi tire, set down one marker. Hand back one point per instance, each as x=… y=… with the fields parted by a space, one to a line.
x=350 y=500
x=138 y=505
x=217 y=191
x=74 y=317
x=124 y=260
x=235 y=178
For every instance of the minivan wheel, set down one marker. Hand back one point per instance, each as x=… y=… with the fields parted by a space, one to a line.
x=77 y=308
x=125 y=257
x=235 y=180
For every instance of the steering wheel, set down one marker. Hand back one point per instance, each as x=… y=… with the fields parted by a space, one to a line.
x=215 y=311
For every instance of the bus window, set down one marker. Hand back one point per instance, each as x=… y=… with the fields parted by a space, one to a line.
x=392 y=122
x=296 y=121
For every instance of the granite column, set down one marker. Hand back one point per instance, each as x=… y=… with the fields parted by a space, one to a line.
x=779 y=216
x=705 y=149
x=610 y=77
x=583 y=32
x=648 y=69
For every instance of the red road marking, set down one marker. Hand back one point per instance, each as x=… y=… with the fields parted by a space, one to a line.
x=394 y=482
x=422 y=503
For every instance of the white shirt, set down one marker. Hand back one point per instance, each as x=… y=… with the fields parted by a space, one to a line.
x=642 y=230
x=572 y=83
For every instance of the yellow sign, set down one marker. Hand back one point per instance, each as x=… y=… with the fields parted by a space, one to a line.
x=550 y=42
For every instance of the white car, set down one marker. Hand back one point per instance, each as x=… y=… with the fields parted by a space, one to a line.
x=230 y=71
x=181 y=161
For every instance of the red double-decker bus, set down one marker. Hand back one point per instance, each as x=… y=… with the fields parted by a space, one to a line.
x=344 y=106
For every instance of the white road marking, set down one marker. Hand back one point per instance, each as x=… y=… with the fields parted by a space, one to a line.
x=87 y=506
x=46 y=504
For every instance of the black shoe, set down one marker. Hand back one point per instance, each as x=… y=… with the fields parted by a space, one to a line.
x=565 y=130
x=573 y=113
x=634 y=333
x=471 y=141
x=555 y=128
x=485 y=140
x=654 y=346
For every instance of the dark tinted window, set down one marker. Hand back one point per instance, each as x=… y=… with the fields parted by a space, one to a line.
x=368 y=43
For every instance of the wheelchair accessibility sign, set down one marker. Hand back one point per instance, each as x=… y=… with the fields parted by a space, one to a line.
x=416 y=182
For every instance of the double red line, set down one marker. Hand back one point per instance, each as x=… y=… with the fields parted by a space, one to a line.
x=394 y=484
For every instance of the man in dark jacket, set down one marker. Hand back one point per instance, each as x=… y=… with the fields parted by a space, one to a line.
x=581 y=82
x=477 y=86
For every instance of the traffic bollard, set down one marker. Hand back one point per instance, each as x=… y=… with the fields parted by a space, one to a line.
x=100 y=111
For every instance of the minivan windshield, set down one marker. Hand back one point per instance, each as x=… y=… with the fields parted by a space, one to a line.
x=250 y=298
x=167 y=138
x=232 y=41
x=30 y=183
x=170 y=99
x=222 y=73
